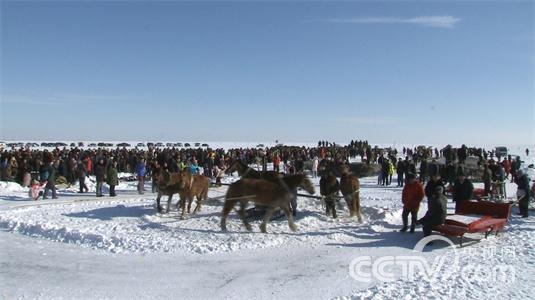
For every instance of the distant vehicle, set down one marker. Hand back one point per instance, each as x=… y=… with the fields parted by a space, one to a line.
x=92 y=145
x=11 y=145
x=205 y=145
x=80 y=144
x=197 y=144
x=30 y=145
x=123 y=145
x=260 y=146
x=60 y=144
x=169 y=145
x=160 y=145
x=140 y=145
x=178 y=145
x=150 y=145
x=72 y=145
x=501 y=151
x=101 y=144
x=187 y=145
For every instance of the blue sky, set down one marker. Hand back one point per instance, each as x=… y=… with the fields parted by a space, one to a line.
x=404 y=72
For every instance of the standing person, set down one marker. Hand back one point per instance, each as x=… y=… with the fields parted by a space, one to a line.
x=423 y=171
x=81 y=170
x=523 y=193
x=412 y=195
x=515 y=166
x=113 y=178
x=276 y=162
x=463 y=189
x=384 y=171
x=506 y=164
x=315 y=165
x=487 y=179
x=193 y=167
x=527 y=152
x=401 y=169
x=391 y=171
x=51 y=171
x=140 y=172
x=436 y=211
x=100 y=173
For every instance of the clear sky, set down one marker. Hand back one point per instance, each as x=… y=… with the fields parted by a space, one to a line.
x=404 y=72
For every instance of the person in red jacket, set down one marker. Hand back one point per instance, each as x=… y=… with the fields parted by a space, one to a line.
x=412 y=195
x=276 y=163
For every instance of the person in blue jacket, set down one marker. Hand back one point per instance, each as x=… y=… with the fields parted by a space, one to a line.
x=140 y=172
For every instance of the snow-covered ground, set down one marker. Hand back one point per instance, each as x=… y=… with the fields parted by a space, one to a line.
x=80 y=246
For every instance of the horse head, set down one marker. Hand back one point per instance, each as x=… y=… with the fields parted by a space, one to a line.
x=307 y=185
x=345 y=169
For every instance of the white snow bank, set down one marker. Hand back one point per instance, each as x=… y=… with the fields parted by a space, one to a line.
x=132 y=225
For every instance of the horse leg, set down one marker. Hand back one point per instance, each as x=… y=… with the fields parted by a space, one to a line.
x=290 y=217
x=357 y=207
x=190 y=199
x=199 y=199
x=267 y=217
x=169 y=203
x=158 y=206
x=243 y=217
x=229 y=205
x=332 y=203
x=183 y=207
x=350 y=205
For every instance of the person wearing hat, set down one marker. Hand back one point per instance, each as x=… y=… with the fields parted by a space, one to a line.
x=523 y=192
x=412 y=195
x=436 y=180
x=436 y=211
x=463 y=189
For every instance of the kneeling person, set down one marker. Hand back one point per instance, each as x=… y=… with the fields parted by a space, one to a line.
x=436 y=211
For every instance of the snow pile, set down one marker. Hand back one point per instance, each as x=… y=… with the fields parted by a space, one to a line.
x=8 y=188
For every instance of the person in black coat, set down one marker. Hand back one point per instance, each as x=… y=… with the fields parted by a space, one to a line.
x=51 y=180
x=81 y=170
x=523 y=192
x=401 y=169
x=436 y=211
x=100 y=173
x=463 y=189
x=432 y=184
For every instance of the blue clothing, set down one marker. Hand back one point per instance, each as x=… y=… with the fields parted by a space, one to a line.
x=194 y=169
x=140 y=170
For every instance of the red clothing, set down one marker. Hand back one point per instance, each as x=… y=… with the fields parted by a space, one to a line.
x=413 y=194
x=276 y=160
x=506 y=166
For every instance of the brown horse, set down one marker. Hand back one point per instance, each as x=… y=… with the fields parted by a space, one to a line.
x=271 y=194
x=350 y=188
x=193 y=186
x=168 y=184
x=247 y=172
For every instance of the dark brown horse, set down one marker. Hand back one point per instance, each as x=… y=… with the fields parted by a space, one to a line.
x=350 y=188
x=245 y=171
x=270 y=194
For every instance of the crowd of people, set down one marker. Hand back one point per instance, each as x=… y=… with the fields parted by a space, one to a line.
x=427 y=166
